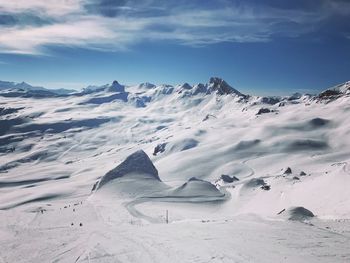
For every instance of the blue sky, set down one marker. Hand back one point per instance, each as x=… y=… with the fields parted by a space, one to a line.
x=258 y=46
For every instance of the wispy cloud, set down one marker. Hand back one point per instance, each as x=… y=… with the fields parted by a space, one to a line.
x=117 y=25
x=32 y=40
x=48 y=7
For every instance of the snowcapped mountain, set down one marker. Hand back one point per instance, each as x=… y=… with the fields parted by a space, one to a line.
x=343 y=88
x=221 y=87
x=336 y=92
x=114 y=87
x=12 y=89
x=162 y=173
x=215 y=85
x=12 y=85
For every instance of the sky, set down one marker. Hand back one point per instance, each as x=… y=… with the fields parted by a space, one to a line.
x=258 y=46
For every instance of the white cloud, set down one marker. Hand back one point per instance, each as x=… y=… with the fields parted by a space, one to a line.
x=118 y=33
x=73 y=26
x=50 y=7
x=30 y=40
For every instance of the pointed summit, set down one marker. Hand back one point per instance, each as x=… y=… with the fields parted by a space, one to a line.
x=186 y=86
x=137 y=163
x=221 y=87
x=199 y=88
x=116 y=87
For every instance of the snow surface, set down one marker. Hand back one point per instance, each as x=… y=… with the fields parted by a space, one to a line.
x=56 y=149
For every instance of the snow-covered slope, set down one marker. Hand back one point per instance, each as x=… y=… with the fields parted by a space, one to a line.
x=149 y=151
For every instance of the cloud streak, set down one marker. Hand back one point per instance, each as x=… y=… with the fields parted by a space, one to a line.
x=118 y=25
x=55 y=8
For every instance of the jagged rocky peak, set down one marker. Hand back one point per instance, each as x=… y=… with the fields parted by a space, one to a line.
x=343 y=88
x=221 y=87
x=138 y=164
x=185 y=86
x=22 y=85
x=336 y=91
x=147 y=85
x=116 y=87
x=199 y=88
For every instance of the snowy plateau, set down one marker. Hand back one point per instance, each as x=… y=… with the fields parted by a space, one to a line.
x=162 y=173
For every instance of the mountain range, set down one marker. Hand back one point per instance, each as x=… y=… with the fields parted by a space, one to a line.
x=163 y=173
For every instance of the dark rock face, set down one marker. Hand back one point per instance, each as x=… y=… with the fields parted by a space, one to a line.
x=299 y=213
x=288 y=171
x=228 y=179
x=159 y=148
x=328 y=94
x=186 y=86
x=221 y=87
x=199 y=88
x=266 y=187
x=136 y=163
x=263 y=110
x=116 y=87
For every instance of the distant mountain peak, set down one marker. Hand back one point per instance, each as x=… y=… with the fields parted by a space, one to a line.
x=343 y=88
x=186 y=86
x=336 y=91
x=221 y=87
x=116 y=87
x=115 y=83
x=147 y=85
x=23 y=86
